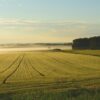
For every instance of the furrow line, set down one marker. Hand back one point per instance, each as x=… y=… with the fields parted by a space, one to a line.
x=41 y=74
x=4 y=81
x=10 y=65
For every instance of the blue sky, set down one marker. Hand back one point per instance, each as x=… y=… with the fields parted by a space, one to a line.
x=48 y=20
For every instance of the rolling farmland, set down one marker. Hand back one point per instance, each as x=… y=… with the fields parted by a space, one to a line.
x=23 y=75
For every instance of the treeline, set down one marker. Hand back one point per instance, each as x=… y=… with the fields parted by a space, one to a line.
x=87 y=43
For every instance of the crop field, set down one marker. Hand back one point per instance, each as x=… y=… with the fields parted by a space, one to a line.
x=48 y=75
x=85 y=52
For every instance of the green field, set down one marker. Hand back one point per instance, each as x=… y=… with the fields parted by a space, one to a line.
x=48 y=75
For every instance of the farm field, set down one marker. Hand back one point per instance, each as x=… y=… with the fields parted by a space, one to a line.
x=48 y=75
x=85 y=52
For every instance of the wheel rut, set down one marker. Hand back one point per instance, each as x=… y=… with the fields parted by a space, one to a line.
x=7 y=77
x=10 y=65
x=41 y=74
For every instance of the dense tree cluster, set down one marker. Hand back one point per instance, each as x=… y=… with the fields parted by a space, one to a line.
x=87 y=43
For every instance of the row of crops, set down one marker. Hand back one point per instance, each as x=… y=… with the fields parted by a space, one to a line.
x=21 y=68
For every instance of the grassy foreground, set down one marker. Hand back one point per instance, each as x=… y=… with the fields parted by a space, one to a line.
x=50 y=76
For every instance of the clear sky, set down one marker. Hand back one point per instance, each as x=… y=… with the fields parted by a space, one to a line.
x=24 y=21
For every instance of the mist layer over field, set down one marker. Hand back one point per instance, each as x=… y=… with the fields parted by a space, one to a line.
x=35 y=47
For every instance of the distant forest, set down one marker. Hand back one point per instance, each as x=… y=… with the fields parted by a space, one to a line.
x=87 y=43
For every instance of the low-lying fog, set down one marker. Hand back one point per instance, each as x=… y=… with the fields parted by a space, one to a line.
x=62 y=47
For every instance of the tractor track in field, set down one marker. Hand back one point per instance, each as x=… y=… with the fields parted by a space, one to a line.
x=71 y=63
x=41 y=74
x=57 y=60
x=63 y=84
x=5 y=80
x=10 y=65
